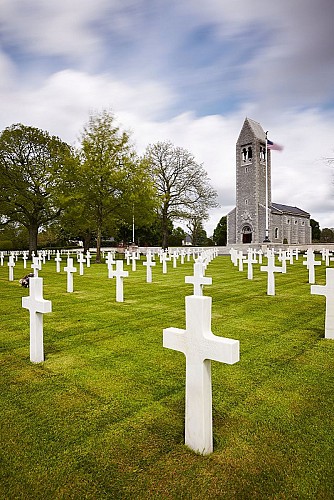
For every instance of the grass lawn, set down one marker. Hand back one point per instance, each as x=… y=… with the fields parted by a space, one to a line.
x=103 y=416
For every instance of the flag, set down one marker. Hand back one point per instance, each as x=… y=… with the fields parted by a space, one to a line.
x=273 y=145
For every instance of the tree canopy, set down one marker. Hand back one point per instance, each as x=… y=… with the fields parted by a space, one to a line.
x=220 y=233
x=111 y=181
x=31 y=165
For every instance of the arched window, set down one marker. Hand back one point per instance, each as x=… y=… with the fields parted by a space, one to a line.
x=250 y=153
x=276 y=232
x=244 y=154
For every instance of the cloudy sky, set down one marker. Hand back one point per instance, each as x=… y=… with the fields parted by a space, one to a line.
x=188 y=71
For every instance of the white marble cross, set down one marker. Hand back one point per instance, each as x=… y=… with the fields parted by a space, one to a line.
x=81 y=260
x=198 y=279
x=234 y=256
x=310 y=264
x=326 y=256
x=11 y=265
x=241 y=259
x=25 y=258
x=37 y=307
x=1 y=258
x=260 y=254
x=35 y=266
x=164 y=259
x=88 y=257
x=175 y=256
x=250 y=260
x=182 y=255
x=149 y=264
x=134 y=258
x=200 y=346
x=119 y=274
x=69 y=269
x=127 y=255
x=58 y=261
x=328 y=292
x=271 y=269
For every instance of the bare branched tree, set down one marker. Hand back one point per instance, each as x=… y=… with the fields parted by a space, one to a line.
x=182 y=184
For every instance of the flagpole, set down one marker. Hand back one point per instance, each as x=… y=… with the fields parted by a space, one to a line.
x=266 y=239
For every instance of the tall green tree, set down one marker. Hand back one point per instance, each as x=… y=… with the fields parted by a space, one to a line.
x=31 y=167
x=182 y=184
x=220 y=233
x=113 y=182
x=316 y=231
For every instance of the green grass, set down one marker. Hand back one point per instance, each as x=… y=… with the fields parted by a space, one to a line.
x=103 y=416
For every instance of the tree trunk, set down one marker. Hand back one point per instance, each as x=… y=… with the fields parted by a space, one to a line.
x=86 y=240
x=165 y=232
x=98 y=246
x=33 y=234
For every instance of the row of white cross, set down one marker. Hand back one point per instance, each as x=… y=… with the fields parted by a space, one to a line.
x=197 y=342
x=310 y=262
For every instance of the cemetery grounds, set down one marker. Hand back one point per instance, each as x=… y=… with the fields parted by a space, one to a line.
x=103 y=416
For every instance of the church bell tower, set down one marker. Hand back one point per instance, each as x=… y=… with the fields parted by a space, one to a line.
x=250 y=216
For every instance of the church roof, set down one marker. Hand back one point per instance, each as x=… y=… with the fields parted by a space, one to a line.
x=286 y=209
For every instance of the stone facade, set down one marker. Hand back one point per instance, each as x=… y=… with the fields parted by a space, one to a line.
x=246 y=223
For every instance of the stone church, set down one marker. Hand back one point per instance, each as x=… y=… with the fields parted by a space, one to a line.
x=246 y=223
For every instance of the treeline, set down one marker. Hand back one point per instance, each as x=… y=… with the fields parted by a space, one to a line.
x=54 y=194
x=325 y=235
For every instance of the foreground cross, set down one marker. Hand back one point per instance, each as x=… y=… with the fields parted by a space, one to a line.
x=200 y=346
x=37 y=307
x=328 y=291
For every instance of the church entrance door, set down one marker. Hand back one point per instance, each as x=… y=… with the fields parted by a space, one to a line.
x=247 y=234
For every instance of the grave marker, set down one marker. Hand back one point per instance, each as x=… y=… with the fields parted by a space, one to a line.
x=310 y=264
x=58 y=261
x=25 y=258
x=119 y=274
x=200 y=346
x=250 y=260
x=81 y=260
x=271 y=269
x=198 y=279
x=11 y=265
x=149 y=264
x=37 y=307
x=164 y=259
x=328 y=292
x=35 y=266
x=69 y=269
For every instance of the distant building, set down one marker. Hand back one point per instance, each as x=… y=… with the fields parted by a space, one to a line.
x=246 y=223
x=187 y=241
